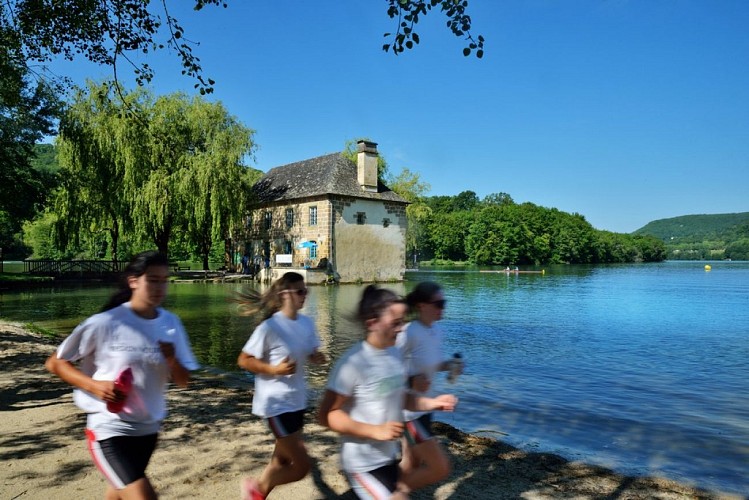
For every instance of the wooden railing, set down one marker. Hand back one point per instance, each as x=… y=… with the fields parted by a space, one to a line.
x=72 y=267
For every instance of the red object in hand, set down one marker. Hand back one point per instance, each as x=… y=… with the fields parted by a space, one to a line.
x=122 y=385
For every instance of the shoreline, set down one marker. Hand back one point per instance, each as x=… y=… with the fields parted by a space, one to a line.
x=210 y=441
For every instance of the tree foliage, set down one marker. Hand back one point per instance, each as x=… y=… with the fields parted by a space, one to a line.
x=497 y=231
x=176 y=166
x=411 y=188
x=701 y=237
x=28 y=112
x=121 y=32
x=409 y=12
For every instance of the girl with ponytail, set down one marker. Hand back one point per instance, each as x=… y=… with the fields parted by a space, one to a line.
x=127 y=355
x=277 y=353
x=365 y=398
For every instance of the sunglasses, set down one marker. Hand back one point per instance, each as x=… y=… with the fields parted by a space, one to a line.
x=302 y=292
x=439 y=304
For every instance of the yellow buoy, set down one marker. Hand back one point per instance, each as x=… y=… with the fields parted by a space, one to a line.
x=707 y=267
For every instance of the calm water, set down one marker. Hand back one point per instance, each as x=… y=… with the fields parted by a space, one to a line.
x=643 y=368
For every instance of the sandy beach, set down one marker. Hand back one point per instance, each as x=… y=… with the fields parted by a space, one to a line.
x=210 y=440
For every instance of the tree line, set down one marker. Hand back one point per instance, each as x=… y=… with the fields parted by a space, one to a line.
x=497 y=231
x=144 y=171
x=703 y=236
x=132 y=170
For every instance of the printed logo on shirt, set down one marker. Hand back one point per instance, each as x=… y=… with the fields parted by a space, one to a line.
x=390 y=384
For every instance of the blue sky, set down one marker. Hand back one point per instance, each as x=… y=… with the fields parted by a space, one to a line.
x=622 y=111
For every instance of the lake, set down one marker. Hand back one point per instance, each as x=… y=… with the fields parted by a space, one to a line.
x=641 y=368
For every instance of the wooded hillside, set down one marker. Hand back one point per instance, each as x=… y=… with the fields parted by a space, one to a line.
x=703 y=236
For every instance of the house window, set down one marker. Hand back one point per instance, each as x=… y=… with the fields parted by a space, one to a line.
x=385 y=222
x=287 y=247
x=249 y=220
x=313 y=250
x=312 y=216
x=289 y=217
x=361 y=218
x=268 y=220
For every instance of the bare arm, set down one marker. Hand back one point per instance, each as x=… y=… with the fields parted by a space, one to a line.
x=180 y=374
x=255 y=365
x=444 y=402
x=102 y=389
x=332 y=415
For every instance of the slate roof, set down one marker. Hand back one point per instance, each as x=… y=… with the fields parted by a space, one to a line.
x=332 y=174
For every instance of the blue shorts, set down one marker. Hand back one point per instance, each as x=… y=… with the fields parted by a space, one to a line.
x=377 y=484
x=419 y=430
x=286 y=424
x=122 y=459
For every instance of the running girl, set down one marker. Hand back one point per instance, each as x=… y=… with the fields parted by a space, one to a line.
x=424 y=460
x=133 y=332
x=277 y=352
x=365 y=399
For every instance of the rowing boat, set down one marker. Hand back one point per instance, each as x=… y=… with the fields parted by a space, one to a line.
x=512 y=271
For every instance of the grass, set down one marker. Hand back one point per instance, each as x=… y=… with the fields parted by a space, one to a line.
x=21 y=277
x=40 y=330
x=444 y=262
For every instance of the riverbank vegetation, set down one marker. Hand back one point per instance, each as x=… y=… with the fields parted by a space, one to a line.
x=497 y=231
x=702 y=237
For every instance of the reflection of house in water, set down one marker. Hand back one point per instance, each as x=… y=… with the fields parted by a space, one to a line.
x=328 y=216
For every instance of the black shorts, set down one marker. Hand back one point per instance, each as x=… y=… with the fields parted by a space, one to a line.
x=377 y=484
x=122 y=459
x=419 y=430
x=286 y=424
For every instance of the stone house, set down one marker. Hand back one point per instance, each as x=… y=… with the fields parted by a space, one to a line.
x=328 y=216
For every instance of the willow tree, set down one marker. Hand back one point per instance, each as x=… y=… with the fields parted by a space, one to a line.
x=184 y=172
x=214 y=185
x=92 y=195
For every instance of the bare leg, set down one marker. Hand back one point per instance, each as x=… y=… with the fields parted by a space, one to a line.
x=111 y=493
x=289 y=463
x=138 y=490
x=426 y=464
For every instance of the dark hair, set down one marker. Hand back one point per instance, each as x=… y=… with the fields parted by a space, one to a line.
x=423 y=293
x=137 y=267
x=374 y=301
x=252 y=302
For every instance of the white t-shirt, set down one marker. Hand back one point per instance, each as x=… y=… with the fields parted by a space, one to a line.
x=375 y=380
x=421 y=347
x=109 y=342
x=273 y=340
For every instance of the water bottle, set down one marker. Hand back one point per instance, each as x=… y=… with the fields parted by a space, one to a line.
x=456 y=367
x=122 y=385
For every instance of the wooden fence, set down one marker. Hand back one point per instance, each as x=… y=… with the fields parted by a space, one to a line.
x=72 y=267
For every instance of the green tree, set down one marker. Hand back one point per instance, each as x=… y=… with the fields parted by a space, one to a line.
x=410 y=187
x=93 y=196
x=738 y=250
x=151 y=166
x=215 y=183
x=28 y=111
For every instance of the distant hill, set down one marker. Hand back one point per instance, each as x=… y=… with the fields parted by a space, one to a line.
x=695 y=227
x=717 y=236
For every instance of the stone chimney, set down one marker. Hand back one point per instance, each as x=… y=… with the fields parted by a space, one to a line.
x=366 y=165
